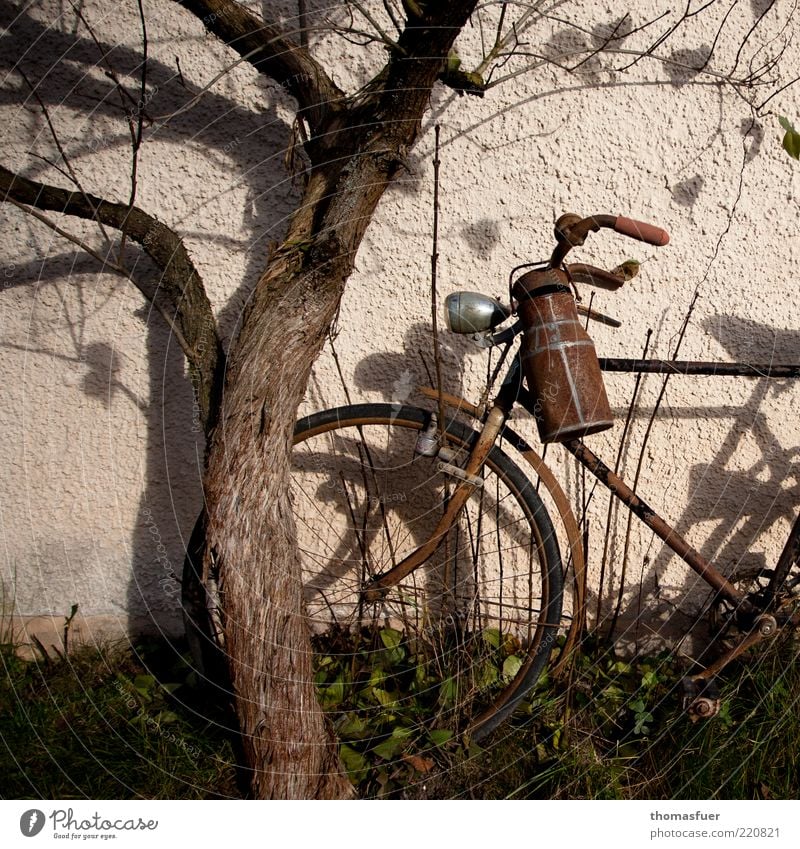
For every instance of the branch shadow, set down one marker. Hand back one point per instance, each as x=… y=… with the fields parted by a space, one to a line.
x=233 y=139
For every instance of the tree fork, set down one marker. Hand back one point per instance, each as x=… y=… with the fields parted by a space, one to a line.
x=251 y=541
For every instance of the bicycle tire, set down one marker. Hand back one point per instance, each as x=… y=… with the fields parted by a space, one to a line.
x=363 y=499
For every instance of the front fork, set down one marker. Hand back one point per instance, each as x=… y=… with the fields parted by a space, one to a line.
x=468 y=477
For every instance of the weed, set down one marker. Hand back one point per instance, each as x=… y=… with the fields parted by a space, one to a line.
x=118 y=722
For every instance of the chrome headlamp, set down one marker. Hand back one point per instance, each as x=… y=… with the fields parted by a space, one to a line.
x=472 y=312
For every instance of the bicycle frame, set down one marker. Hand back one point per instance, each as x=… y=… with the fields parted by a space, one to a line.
x=759 y=614
x=760 y=621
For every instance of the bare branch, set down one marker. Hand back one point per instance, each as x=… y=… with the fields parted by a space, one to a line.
x=517 y=28
x=273 y=54
x=136 y=132
x=621 y=51
x=207 y=87
x=393 y=15
x=180 y=284
x=106 y=263
x=64 y=158
x=392 y=45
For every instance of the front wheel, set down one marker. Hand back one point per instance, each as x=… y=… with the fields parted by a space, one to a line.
x=464 y=637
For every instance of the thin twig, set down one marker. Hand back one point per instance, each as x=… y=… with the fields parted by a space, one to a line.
x=628 y=420
x=181 y=80
x=136 y=133
x=302 y=21
x=390 y=43
x=664 y=60
x=434 y=266
x=67 y=164
x=516 y=29
x=776 y=93
x=206 y=88
x=719 y=33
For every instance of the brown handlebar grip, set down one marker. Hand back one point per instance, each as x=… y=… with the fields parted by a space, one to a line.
x=641 y=231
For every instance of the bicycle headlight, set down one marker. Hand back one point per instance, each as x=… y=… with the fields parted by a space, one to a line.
x=472 y=312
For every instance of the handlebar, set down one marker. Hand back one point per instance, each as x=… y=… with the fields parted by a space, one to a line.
x=641 y=231
x=571 y=231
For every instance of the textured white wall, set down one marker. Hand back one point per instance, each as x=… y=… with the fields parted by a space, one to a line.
x=101 y=461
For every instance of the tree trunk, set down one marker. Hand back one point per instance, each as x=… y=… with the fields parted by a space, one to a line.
x=251 y=545
x=251 y=542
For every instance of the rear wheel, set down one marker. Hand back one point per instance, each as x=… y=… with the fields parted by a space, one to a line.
x=463 y=638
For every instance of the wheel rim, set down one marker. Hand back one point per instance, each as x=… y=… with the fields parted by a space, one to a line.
x=363 y=500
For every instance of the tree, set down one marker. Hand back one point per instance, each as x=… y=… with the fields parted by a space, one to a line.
x=349 y=146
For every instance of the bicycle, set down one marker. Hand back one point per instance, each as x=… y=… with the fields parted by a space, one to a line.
x=413 y=521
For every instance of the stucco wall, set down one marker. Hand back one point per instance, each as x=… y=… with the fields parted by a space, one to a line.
x=101 y=456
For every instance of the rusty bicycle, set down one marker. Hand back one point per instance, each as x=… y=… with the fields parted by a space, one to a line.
x=422 y=520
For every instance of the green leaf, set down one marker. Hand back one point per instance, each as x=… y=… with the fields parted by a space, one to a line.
x=448 y=692
x=354 y=762
x=166 y=716
x=786 y=124
x=389 y=749
x=376 y=678
x=144 y=683
x=474 y=750
x=486 y=674
x=791 y=144
x=353 y=727
x=511 y=666
x=641 y=723
x=613 y=692
x=492 y=637
x=333 y=694
x=391 y=638
x=382 y=697
x=649 y=680
x=439 y=736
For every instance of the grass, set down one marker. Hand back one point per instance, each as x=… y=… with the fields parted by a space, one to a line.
x=123 y=722
x=119 y=722
x=618 y=732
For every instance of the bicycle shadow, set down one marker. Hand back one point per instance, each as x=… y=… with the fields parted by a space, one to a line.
x=397 y=375
x=742 y=505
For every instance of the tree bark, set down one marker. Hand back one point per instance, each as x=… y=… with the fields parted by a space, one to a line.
x=251 y=546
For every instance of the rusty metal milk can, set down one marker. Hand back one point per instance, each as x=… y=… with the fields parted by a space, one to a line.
x=559 y=359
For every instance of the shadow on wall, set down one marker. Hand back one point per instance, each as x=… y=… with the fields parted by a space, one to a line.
x=741 y=506
x=173 y=455
x=397 y=375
